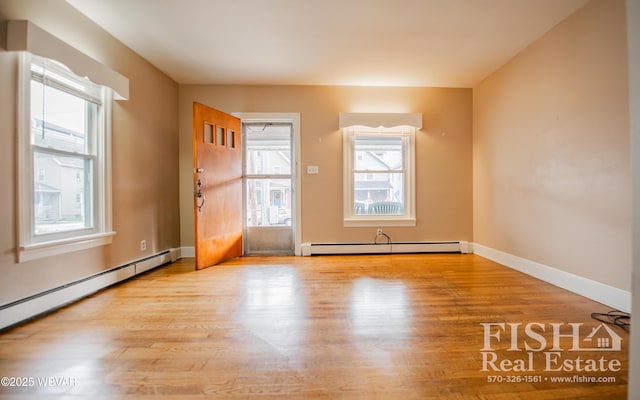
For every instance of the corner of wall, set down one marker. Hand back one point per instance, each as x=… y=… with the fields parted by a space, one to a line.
x=611 y=296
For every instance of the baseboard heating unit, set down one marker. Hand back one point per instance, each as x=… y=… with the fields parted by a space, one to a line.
x=310 y=249
x=44 y=302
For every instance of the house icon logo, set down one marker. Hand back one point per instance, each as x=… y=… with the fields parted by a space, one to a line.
x=603 y=338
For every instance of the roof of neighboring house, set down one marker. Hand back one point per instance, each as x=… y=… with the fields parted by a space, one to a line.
x=43 y=187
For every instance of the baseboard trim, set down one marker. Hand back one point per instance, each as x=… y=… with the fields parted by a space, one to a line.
x=597 y=291
x=19 y=311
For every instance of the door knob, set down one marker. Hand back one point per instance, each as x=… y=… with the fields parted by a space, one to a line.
x=199 y=170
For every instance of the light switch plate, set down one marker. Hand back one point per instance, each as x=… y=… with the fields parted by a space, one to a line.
x=312 y=169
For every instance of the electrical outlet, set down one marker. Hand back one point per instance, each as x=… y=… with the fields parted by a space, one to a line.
x=378 y=232
x=143 y=245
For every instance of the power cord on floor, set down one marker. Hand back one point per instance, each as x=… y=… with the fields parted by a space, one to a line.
x=375 y=241
x=614 y=317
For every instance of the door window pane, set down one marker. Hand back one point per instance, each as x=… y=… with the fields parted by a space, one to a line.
x=268 y=149
x=231 y=139
x=208 y=133
x=268 y=202
x=220 y=135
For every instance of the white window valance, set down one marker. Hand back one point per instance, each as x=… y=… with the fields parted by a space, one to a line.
x=375 y=120
x=26 y=36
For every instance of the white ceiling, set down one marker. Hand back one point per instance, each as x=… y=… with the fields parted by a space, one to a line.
x=445 y=43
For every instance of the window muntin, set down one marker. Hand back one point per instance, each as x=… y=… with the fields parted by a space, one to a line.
x=64 y=160
x=379 y=176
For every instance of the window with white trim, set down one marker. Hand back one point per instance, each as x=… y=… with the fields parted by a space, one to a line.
x=64 y=160
x=379 y=182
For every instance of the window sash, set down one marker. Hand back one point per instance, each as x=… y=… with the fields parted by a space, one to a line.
x=56 y=211
x=353 y=218
x=44 y=130
x=58 y=218
x=42 y=213
x=382 y=149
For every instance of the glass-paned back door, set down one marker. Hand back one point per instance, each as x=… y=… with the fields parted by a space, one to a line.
x=267 y=187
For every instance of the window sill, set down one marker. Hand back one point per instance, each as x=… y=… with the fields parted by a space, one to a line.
x=379 y=221
x=57 y=247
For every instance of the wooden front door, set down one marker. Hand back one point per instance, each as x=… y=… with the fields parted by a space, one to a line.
x=217 y=177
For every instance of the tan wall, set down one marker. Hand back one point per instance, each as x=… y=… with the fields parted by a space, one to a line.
x=145 y=160
x=633 y=39
x=443 y=155
x=551 y=150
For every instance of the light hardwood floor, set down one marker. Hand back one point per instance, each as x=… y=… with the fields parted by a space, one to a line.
x=331 y=327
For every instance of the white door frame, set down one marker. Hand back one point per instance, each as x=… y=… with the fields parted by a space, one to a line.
x=294 y=119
